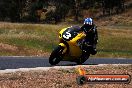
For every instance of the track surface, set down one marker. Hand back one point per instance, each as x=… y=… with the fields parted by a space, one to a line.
x=32 y=62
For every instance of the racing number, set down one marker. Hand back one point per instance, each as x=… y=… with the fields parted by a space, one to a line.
x=67 y=35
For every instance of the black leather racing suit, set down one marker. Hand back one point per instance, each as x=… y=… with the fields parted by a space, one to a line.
x=90 y=39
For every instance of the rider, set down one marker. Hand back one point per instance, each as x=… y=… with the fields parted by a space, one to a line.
x=91 y=39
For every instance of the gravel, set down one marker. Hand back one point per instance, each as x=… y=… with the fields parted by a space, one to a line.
x=61 y=77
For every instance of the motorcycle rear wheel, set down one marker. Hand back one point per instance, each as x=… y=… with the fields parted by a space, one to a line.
x=56 y=55
x=82 y=60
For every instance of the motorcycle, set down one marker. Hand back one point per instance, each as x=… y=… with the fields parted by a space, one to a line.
x=69 y=48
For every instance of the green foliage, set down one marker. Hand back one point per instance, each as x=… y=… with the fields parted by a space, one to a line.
x=27 y=10
x=11 y=10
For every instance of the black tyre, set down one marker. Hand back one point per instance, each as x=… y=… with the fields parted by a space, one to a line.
x=81 y=80
x=82 y=59
x=56 y=55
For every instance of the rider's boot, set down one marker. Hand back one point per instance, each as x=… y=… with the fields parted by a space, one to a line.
x=93 y=52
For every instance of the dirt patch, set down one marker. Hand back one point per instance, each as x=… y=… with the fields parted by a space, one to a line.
x=62 y=78
x=20 y=51
x=124 y=18
x=8 y=47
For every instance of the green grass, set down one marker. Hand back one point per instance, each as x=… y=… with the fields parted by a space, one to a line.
x=31 y=36
x=115 y=43
x=44 y=37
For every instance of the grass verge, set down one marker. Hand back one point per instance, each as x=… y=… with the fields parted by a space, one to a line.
x=36 y=39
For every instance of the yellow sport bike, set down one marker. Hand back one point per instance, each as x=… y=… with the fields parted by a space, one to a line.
x=69 y=48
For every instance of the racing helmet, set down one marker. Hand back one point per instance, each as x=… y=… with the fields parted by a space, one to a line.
x=88 y=21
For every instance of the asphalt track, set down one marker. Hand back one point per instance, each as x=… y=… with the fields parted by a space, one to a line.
x=32 y=62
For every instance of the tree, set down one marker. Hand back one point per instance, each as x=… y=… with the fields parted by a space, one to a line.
x=11 y=9
x=109 y=5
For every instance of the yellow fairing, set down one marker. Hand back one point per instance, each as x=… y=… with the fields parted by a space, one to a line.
x=78 y=37
x=60 y=33
x=74 y=48
x=65 y=48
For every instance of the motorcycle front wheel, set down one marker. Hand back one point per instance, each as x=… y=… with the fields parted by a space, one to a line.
x=56 y=55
